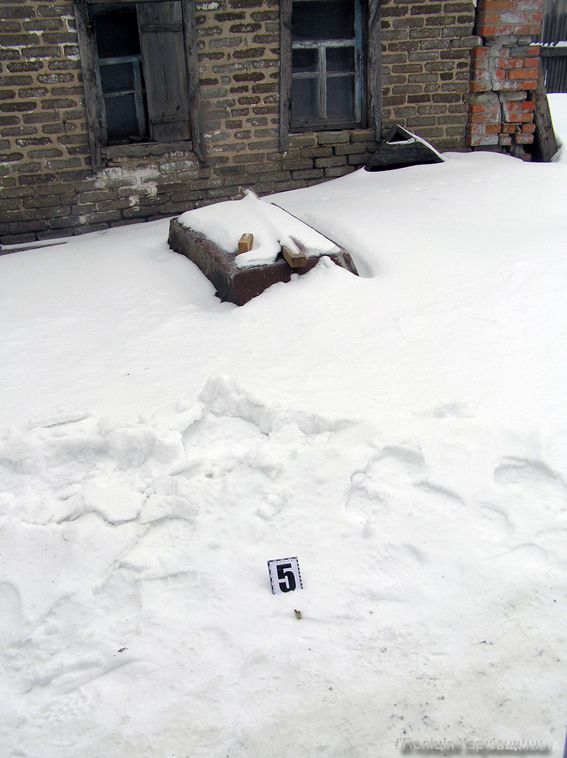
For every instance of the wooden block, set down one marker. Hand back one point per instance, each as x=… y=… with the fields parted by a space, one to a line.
x=245 y=243
x=294 y=259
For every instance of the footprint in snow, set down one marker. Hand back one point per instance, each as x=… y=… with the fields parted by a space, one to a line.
x=271 y=506
x=388 y=472
x=534 y=483
x=65 y=709
x=497 y=519
x=521 y=470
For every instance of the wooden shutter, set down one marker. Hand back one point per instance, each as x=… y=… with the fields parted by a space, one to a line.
x=165 y=69
x=91 y=82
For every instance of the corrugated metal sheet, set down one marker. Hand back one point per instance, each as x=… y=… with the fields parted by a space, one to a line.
x=554 y=51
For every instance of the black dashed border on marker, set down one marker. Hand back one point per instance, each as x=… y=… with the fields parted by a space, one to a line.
x=299 y=572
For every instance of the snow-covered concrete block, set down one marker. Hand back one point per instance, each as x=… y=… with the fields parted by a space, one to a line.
x=209 y=237
x=233 y=283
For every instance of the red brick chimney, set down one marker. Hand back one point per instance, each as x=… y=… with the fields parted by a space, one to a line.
x=505 y=70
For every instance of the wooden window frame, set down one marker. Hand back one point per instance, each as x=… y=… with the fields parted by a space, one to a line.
x=94 y=100
x=356 y=42
x=368 y=72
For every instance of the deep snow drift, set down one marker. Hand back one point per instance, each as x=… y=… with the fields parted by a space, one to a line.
x=404 y=433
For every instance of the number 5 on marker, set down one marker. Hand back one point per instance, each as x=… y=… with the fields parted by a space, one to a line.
x=285 y=575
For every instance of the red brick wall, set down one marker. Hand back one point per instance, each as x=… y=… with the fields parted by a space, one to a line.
x=498 y=18
x=505 y=72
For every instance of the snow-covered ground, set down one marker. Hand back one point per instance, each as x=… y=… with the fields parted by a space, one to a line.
x=558 y=106
x=403 y=433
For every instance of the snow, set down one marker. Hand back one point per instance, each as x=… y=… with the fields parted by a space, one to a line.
x=558 y=107
x=404 y=433
x=416 y=138
x=225 y=223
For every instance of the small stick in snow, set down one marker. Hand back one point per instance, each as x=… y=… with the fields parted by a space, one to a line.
x=297 y=614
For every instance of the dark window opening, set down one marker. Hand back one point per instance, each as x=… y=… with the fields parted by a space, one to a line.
x=116 y=31
x=121 y=74
x=322 y=19
x=140 y=75
x=328 y=72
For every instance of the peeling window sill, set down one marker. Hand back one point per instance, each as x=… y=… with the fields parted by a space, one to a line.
x=144 y=149
x=327 y=126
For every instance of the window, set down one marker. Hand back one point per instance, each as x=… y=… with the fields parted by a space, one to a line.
x=121 y=74
x=329 y=65
x=139 y=68
x=327 y=79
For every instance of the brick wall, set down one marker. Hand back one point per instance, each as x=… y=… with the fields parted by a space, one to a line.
x=427 y=67
x=505 y=75
x=47 y=185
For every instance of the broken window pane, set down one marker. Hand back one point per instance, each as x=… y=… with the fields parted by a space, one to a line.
x=134 y=55
x=117 y=32
x=323 y=20
x=118 y=46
